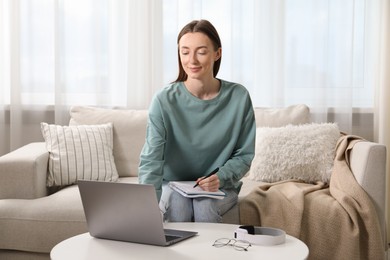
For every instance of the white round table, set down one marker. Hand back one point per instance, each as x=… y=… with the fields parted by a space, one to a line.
x=199 y=247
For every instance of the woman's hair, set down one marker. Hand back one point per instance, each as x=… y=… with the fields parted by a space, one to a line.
x=205 y=27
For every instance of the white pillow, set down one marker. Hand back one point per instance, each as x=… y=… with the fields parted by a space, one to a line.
x=79 y=152
x=305 y=152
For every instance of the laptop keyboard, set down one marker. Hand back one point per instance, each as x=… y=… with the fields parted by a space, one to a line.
x=170 y=237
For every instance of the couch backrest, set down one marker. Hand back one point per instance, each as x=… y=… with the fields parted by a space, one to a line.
x=130 y=128
x=129 y=133
x=277 y=117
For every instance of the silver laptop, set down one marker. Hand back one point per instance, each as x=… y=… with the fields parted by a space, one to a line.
x=126 y=212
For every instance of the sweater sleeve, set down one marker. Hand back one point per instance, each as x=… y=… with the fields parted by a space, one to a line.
x=150 y=170
x=240 y=161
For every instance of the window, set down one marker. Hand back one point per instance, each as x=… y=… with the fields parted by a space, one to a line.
x=284 y=52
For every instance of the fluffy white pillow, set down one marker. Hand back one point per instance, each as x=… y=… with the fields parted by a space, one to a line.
x=303 y=152
x=79 y=152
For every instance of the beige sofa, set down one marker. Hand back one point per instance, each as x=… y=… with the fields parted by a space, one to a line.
x=34 y=218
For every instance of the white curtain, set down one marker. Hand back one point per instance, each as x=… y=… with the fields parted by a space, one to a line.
x=59 y=53
x=382 y=97
x=118 y=53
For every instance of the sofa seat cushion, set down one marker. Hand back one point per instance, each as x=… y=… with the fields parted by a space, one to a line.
x=38 y=225
x=232 y=216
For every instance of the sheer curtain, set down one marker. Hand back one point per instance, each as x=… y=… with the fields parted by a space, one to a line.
x=118 y=53
x=59 y=53
x=382 y=97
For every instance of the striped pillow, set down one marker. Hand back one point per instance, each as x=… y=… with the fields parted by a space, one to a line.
x=79 y=152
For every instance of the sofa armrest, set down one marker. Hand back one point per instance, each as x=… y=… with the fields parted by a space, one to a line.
x=23 y=172
x=368 y=164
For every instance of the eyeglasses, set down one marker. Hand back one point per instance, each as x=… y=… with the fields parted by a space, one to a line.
x=240 y=245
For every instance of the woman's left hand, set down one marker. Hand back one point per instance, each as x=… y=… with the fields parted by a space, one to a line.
x=209 y=184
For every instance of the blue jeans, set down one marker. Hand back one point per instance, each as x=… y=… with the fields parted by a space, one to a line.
x=177 y=208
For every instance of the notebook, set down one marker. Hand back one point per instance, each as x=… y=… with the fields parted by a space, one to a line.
x=187 y=189
x=126 y=212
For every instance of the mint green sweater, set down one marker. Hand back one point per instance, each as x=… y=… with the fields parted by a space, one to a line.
x=187 y=137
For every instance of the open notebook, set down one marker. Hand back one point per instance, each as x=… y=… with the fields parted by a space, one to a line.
x=186 y=188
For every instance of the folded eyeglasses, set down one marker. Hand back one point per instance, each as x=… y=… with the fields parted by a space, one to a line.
x=240 y=245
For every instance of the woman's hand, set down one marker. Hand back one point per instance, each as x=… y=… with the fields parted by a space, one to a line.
x=209 y=184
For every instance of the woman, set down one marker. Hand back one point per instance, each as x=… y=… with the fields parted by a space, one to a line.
x=196 y=124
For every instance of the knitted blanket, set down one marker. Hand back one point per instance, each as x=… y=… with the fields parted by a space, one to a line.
x=336 y=221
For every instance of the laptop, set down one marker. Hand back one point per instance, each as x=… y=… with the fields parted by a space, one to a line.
x=126 y=212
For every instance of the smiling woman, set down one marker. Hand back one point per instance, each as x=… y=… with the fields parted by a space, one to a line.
x=198 y=55
x=194 y=45
x=192 y=112
x=198 y=59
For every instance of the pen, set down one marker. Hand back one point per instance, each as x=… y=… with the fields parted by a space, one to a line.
x=208 y=175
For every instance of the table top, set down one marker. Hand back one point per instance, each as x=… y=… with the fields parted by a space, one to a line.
x=199 y=247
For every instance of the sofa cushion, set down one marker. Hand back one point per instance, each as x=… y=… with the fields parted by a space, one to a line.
x=129 y=133
x=277 y=117
x=39 y=224
x=79 y=152
x=303 y=152
x=232 y=216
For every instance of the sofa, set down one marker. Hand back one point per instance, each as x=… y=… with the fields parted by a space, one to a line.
x=35 y=217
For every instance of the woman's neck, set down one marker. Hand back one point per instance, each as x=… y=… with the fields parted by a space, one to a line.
x=202 y=89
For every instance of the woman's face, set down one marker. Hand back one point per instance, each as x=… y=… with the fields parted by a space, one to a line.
x=197 y=55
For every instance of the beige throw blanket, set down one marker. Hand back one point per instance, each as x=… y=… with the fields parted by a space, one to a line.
x=337 y=221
